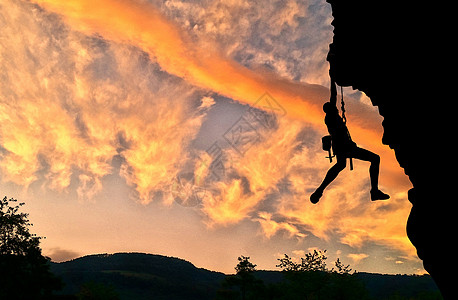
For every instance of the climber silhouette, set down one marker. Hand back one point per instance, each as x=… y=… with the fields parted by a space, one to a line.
x=343 y=147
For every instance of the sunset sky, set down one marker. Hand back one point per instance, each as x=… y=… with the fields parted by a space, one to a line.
x=188 y=129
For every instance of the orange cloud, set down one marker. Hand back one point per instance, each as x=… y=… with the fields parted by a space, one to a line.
x=140 y=24
x=261 y=166
x=271 y=227
x=345 y=213
x=70 y=104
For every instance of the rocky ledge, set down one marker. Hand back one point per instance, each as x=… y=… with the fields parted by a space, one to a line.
x=399 y=54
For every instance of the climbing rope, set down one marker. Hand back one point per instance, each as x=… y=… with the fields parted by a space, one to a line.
x=343 y=105
x=326 y=140
x=344 y=118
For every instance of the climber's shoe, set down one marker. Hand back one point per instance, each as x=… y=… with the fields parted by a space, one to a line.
x=315 y=197
x=378 y=195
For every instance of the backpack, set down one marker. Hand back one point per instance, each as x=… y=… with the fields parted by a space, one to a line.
x=327 y=146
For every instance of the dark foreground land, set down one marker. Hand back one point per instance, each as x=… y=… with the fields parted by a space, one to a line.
x=147 y=276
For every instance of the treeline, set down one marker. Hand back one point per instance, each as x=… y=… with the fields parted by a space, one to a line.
x=312 y=279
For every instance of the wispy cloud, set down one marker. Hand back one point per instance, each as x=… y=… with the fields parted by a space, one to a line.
x=59 y=255
x=357 y=257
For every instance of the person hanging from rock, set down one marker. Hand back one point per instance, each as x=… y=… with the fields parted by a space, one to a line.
x=343 y=147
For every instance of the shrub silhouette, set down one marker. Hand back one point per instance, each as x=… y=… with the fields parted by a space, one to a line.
x=309 y=279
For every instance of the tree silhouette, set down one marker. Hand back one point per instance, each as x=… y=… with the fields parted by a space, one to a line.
x=341 y=268
x=25 y=271
x=247 y=286
x=315 y=261
x=311 y=279
x=244 y=265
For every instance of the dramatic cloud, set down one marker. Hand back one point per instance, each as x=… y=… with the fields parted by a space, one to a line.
x=93 y=88
x=288 y=37
x=142 y=25
x=70 y=103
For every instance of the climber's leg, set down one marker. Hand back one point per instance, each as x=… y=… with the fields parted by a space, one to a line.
x=330 y=176
x=374 y=159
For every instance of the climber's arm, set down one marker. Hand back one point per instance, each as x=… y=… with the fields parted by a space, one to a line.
x=333 y=99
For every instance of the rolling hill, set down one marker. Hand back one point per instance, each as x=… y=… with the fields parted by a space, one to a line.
x=139 y=276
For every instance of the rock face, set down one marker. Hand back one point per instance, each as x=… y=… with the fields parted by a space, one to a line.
x=399 y=54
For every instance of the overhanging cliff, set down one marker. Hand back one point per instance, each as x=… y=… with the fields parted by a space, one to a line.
x=399 y=54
